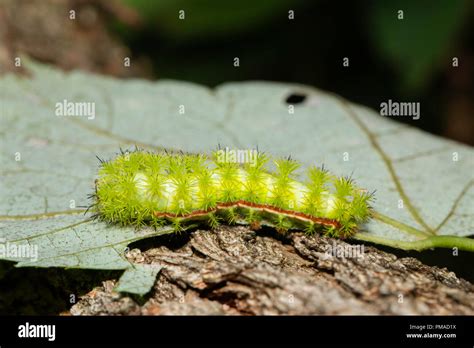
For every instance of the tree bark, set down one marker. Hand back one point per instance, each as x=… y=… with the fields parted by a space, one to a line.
x=237 y=271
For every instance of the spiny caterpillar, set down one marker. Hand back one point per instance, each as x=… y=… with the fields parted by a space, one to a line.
x=143 y=188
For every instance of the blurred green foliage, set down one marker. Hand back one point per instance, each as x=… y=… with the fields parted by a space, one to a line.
x=414 y=46
x=207 y=19
x=417 y=45
x=389 y=57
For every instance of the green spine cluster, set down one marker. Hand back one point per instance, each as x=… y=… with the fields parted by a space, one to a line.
x=134 y=186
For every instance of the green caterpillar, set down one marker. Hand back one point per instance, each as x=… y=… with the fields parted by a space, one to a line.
x=143 y=188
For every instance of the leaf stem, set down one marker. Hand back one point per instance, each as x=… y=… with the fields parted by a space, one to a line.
x=462 y=243
x=400 y=225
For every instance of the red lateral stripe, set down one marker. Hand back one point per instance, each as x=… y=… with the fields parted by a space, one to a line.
x=246 y=204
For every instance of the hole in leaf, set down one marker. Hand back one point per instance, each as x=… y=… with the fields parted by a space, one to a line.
x=295 y=98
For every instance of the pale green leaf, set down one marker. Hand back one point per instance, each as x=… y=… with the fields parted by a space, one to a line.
x=58 y=162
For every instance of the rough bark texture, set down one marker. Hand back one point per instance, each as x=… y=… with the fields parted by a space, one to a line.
x=235 y=270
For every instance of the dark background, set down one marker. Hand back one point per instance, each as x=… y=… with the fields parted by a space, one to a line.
x=403 y=60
